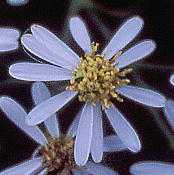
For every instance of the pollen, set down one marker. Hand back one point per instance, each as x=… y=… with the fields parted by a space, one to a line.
x=95 y=78
x=58 y=155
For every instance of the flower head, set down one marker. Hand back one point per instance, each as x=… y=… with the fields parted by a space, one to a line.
x=96 y=79
x=8 y=39
x=152 y=168
x=55 y=152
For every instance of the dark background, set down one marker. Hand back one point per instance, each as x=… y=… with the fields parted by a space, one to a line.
x=100 y=16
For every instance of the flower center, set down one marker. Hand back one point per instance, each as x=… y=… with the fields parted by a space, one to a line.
x=96 y=78
x=58 y=155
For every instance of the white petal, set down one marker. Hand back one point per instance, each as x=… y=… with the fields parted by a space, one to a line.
x=136 y=53
x=74 y=125
x=41 y=93
x=172 y=79
x=80 y=171
x=47 y=108
x=142 y=95
x=126 y=33
x=39 y=49
x=17 y=2
x=17 y=114
x=39 y=72
x=123 y=129
x=97 y=136
x=112 y=144
x=54 y=44
x=80 y=33
x=152 y=168
x=169 y=112
x=9 y=33
x=99 y=169
x=25 y=168
x=84 y=135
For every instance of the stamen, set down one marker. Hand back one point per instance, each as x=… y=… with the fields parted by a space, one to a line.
x=58 y=154
x=96 y=78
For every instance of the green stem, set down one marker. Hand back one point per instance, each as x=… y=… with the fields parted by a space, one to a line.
x=152 y=66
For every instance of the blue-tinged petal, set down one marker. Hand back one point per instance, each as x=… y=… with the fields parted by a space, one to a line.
x=17 y=115
x=47 y=108
x=136 y=53
x=8 y=39
x=80 y=171
x=142 y=95
x=39 y=49
x=152 y=168
x=25 y=168
x=169 y=112
x=9 y=33
x=112 y=144
x=74 y=125
x=99 y=169
x=84 y=135
x=17 y=2
x=41 y=93
x=126 y=33
x=123 y=129
x=97 y=136
x=80 y=33
x=54 y=44
x=172 y=79
x=39 y=72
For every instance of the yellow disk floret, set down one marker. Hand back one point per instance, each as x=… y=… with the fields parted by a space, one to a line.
x=96 y=78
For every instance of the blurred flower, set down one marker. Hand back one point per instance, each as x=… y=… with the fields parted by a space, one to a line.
x=169 y=107
x=152 y=168
x=8 y=39
x=172 y=79
x=95 y=78
x=56 y=150
x=17 y=2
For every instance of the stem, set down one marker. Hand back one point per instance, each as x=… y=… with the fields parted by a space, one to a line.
x=152 y=66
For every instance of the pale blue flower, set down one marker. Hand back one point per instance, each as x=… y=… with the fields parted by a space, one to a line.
x=8 y=39
x=152 y=168
x=17 y=115
x=88 y=123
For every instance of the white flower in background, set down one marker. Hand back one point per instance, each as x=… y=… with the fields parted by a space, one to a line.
x=56 y=151
x=17 y=2
x=152 y=168
x=95 y=79
x=8 y=39
x=169 y=107
x=172 y=80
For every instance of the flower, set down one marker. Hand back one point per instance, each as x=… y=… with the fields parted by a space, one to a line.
x=169 y=108
x=152 y=168
x=8 y=39
x=172 y=79
x=17 y=2
x=103 y=82
x=61 y=146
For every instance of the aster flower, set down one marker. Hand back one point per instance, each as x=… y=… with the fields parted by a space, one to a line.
x=152 y=168
x=94 y=78
x=17 y=2
x=8 y=39
x=55 y=151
